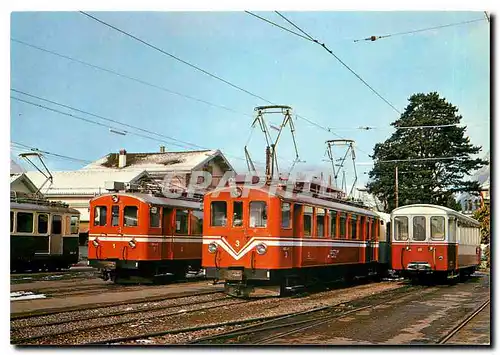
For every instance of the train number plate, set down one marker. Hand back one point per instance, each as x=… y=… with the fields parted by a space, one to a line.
x=234 y=275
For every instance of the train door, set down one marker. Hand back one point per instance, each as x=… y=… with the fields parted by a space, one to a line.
x=368 y=238
x=56 y=241
x=297 y=233
x=167 y=228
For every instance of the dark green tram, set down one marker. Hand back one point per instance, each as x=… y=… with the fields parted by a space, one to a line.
x=43 y=234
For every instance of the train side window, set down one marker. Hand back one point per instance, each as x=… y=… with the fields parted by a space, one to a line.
x=354 y=222
x=320 y=222
x=154 y=216
x=181 y=221
x=130 y=216
x=56 y=224
x=258 y=214
x=368 y=223
x=333 y=224
x=237 y=214
x=437 y=228
x=419 y=230
x=342 y=224
x=286 y=215
x=75 y=224
x=401 y=228
x=24 y=222
x=308 y=215
x=100 y=215
x=452 y=230
x=11 y=221
x=196 y=224
x=43 y=223
x=218 y=210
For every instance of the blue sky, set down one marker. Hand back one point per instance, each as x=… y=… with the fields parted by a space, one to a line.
x=267 y=61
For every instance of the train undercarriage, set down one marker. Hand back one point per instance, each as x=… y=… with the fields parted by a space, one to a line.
x=131 y=271
x=246 y=283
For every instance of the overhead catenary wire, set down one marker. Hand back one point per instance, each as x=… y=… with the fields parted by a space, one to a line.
x=323 y=45
x=175 y=57
x=22 y=147
x=199 y=68
x=107 y=119
x=374 y=38
x=410 y=160
x=115 y=128
x=140 y=81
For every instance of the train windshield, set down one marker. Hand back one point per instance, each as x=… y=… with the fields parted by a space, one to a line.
x=437 y=228
x=401 y=228
x=419 y=232
x=258 y=214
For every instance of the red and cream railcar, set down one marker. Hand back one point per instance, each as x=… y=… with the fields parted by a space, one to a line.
x=434 y=240
x=274 y=242
x=139 y=235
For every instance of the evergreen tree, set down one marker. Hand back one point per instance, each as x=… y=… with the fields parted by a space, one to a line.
x=426 y=180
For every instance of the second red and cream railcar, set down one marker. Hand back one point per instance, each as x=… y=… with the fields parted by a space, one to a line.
x=143 y=236
x=434 y=240
x=274 y=241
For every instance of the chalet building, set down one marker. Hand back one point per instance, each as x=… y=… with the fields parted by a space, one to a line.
x=77 y=188
x=20 y=183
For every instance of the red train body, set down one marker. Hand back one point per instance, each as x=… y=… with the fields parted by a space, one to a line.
x=434 y=240
x=141 y=235
x=263 y=240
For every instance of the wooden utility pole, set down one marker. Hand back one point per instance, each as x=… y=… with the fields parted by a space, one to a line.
x=396 y=192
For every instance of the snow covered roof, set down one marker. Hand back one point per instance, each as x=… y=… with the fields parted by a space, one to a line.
x=24 y=179
x=83 y=182
x=167 y=161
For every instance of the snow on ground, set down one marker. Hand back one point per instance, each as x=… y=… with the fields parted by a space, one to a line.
x=24 y=295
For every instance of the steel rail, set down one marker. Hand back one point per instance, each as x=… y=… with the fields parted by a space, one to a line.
x=463 y=323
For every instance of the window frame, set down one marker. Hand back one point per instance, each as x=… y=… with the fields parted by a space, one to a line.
x=224 y=220
x=290 y=215
x=38 y=215
x=311 y=216
x=32 y=222
x=159 y=213
x=242 y=216
x=264 y=219
x=444 y=227
x=413 y=228
x=191 y=224
x=397 y=236
x=54 y=219
x=322 y=235
x=125 y=216
x=180 y=232
x=343 y=226
x=333 y=222
x=117 y=216
x=353 y=236
x=100 y=215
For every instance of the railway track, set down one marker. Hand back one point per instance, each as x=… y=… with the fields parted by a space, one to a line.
x=95 y=306
x=292 y=323
x=44 y=331
x=463 y=323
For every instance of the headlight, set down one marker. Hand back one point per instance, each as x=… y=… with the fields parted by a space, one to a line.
x=261 y=248
x=95 y=242
x=212 y=247
x=132 y=243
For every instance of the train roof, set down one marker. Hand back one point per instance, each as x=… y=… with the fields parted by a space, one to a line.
x=428 y=209
x=336 y=204
x=42 y=208
x=156 y=200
